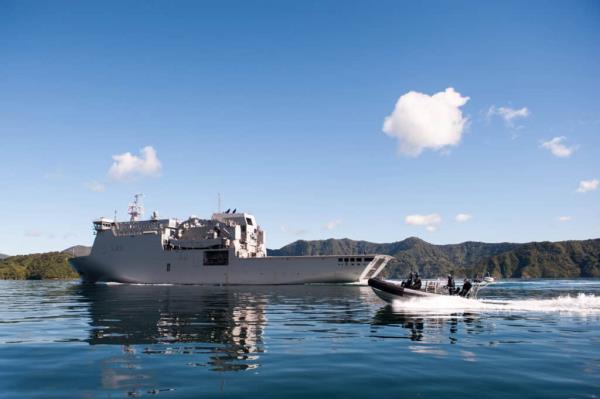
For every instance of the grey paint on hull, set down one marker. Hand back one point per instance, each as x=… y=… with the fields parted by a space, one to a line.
x=142 y=259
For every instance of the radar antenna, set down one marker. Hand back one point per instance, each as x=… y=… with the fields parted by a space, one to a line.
x=136 y=209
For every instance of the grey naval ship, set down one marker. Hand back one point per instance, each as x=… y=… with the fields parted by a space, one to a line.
x=228 y=248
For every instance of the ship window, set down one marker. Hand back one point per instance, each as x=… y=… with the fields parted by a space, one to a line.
x=351 y=259
x=346 y=259
x=168 y=267
x=340 y=259
x=359 y=259
x=249 y=221
x=369 y=259
x=216 y=258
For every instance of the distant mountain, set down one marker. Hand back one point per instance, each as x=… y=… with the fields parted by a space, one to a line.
x=78 y=250
x=544 y=259
x=2 y=256
x=530 y=260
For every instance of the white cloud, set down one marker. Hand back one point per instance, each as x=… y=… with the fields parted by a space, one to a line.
x=430 y=222
x=508 y=114
x=333 y=224
x=564 y=218
x=295 y=232
x=33 y=233
x=95 y=186
x=587 y=185
x=421 y=122
x=557 y=148
x=463 y=217
x=127 y=166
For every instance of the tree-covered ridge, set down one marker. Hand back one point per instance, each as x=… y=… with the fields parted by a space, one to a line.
x=49 y=265
x=546 y=259
x=568 y=259
x=530 y=260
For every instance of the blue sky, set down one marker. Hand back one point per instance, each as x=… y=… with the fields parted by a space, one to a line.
x=280 y=106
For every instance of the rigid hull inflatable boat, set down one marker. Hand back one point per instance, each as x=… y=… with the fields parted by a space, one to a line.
x=391 y=291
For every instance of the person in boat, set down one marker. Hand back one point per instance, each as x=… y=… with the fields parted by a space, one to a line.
x=409 y=282
x=417 y=284
x=451 y=285
x=465 y=288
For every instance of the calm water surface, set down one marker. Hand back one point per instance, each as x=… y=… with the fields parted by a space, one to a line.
x=538 y=339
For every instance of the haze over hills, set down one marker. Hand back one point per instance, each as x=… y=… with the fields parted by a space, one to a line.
x=78 y=250
x=530 y=260
x=2 y=256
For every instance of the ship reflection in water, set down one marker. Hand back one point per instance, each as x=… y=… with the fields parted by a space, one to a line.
x=223 y=325
x=290 y=341
x=203 y=330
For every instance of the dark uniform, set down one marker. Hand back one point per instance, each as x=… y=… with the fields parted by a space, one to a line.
x=451 y=286
x=408 y=283
x=417 y=284
x=465 y=288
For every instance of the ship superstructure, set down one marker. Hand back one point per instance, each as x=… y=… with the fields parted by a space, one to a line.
x=228 y=248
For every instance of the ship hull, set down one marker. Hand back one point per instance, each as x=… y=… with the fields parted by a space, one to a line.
x=143 y=260
x=189 y=270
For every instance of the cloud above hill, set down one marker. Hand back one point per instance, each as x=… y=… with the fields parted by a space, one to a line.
x=430 y=222
x=333 y=224
x=127 y=166
x=420 y=121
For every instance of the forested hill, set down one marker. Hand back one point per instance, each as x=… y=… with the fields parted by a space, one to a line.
x=530 y=260
x=49 y=265
x=536 y=259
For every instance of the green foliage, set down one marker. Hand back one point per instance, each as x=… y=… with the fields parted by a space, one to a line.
x=566 y=259
x=538 y=259
x=50 y=265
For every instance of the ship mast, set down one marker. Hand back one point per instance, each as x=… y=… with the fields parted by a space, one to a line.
x=136 y=209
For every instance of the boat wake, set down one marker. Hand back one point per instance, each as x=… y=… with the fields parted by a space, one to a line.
x=581 y=303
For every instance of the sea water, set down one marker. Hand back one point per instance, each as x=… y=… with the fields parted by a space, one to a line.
x=525 y=339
